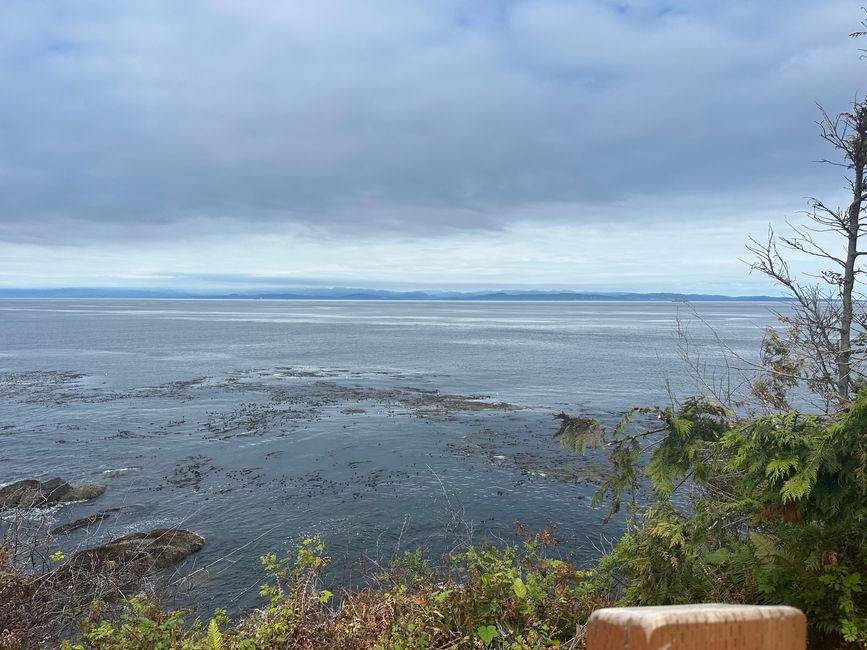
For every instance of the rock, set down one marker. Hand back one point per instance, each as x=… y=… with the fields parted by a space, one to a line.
x=23 y=493
x=54 y=490
x=65 y=594
x=30 y=493
x=126 y=560
x=157 y=549
x=83 y=493
x=83 y=522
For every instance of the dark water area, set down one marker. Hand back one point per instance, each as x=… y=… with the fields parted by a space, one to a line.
x=378 y=425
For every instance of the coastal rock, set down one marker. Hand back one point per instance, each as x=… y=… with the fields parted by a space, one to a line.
x=84 y=522
x=83 y=493
x=31 y=493
x=102 y=573
x=23 y=493
x=125 y=560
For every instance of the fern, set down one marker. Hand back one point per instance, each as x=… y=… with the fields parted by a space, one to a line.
x=215 y=637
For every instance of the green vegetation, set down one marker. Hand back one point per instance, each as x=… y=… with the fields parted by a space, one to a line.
x=769 y=509
x=517 y=598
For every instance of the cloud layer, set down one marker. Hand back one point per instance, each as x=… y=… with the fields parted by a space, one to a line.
x=338 y=121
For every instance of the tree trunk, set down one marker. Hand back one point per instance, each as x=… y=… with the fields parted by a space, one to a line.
x=844 y=354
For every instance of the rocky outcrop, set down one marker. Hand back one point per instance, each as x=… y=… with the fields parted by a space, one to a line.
x=84 y=522
x=83 y=492
x=128 y=559
x=30 y=493
x=108 y=572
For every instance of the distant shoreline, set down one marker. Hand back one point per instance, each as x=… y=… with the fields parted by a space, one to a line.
x=362 y=295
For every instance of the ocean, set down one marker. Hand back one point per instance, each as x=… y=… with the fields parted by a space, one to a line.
x=381 y=426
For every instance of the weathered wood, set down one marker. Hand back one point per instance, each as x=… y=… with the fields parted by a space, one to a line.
x=697 y=627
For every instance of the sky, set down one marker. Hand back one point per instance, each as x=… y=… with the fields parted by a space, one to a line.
x=438 y=144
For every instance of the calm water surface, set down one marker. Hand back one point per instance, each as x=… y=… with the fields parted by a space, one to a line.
x=379 y=425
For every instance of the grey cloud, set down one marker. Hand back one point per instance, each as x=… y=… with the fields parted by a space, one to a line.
x=160 y=119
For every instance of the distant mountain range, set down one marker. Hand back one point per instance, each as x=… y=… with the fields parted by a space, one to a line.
x=379 y=294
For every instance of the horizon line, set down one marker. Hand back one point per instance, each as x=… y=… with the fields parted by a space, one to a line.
x=360 y=294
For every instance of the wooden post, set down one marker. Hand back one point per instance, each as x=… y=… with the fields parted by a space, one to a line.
x=697 y=627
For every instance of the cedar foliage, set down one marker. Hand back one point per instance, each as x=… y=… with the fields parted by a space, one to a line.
x=769 y=509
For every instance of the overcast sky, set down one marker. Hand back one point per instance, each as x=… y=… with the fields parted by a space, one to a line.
x=584 y=144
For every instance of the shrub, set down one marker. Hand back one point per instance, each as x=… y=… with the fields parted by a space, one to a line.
x=768 y=509
x=517 y=597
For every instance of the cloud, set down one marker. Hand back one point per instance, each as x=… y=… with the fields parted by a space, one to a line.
x=608 y=254
x=388 y=119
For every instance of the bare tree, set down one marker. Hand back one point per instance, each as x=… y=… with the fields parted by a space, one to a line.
x=823 y=344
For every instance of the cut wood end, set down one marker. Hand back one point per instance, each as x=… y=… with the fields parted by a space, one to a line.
x=697 y=627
